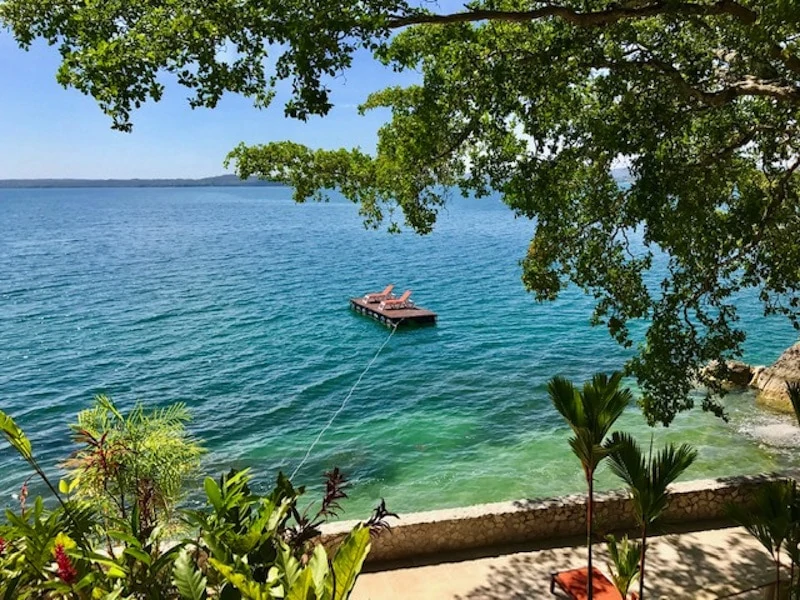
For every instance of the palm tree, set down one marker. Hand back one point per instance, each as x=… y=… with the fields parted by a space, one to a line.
x=590 y=413
x=647 y=479
x=773 y=521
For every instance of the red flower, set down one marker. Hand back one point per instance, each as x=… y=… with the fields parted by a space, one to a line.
x=2 y=545
x=66 y=571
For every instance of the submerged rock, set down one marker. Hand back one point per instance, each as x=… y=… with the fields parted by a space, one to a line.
x=771 y=381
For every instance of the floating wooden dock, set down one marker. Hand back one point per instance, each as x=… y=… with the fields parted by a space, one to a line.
x=396 y=316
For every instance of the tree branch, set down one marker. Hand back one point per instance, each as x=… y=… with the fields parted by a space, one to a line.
x=746 y=87
x=600 y=18
x=741 y=140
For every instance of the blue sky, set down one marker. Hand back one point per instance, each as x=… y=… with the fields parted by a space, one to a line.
x=48 y=131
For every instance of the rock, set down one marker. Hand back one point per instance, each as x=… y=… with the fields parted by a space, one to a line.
x=733 y=374
x=771 y=381
x=739 y=373
x=757 y=373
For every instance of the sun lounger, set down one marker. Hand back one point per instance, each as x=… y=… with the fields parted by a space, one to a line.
x=379 y=296
x=574 y=583
x=395 y=303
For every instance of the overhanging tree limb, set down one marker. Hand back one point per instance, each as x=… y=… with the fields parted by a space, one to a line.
x=535 y=101
x=600 y=18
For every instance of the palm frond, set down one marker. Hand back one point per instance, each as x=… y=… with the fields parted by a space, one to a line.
x=761 y=520
x=604 y=402
x=793 y=389
x=648 y=478
x=670 y=463
x=590 y=412
x=567 y=401
x=626 y=459
x=588 y=452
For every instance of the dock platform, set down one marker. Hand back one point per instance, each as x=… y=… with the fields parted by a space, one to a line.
x=398 y=316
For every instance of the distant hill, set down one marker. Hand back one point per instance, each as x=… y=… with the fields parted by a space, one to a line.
x=219 y=181
x=622 y=175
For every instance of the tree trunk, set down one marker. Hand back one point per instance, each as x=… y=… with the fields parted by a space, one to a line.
x=641 y=562
x=589 y=508
x=777 y=573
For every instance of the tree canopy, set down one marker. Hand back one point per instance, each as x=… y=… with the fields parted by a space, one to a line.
x=534 y=100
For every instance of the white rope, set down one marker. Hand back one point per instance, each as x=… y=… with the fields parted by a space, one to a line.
x=344 y=402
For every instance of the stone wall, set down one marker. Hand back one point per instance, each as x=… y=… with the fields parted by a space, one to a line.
x=522 y=521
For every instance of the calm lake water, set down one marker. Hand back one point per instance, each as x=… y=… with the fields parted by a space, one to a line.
x=234 y=300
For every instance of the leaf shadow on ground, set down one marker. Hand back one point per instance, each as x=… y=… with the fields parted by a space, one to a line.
x=681 y=564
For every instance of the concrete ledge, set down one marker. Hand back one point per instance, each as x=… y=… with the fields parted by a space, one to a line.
x=523 y=521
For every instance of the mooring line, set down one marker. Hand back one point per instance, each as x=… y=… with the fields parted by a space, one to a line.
x=344 y=402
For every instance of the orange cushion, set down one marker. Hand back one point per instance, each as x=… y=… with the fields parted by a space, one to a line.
x=574 y=583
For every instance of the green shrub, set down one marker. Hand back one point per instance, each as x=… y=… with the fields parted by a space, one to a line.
x=105 y=537
x=140 y=460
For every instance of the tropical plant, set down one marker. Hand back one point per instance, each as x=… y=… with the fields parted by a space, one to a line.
x=624 y=566
x=773 y=519
x=137 y=462
x=261 y=546
x=246 y=545
x=38 y=552
x=647 y=478
x=590 y=413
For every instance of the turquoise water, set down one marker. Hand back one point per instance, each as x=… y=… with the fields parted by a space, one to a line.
x=235 y=301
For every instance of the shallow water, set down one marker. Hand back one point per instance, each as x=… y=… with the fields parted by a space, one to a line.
x=235 y=301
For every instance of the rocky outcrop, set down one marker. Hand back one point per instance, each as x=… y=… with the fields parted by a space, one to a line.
x=732 y=374
x=771 y=381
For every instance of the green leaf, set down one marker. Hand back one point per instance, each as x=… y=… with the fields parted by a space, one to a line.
x=124 y=537
x=166 y=558
x=15 y=436
x=249 y=588
x=320 y=570
x=139 y=555
x=213 y=493
x=12 y=588
x=349 y=559
x=106 y=403
x=105 y=561
x=624 y=566
x=289 y=566
x=187 y=577
x=303 y=587
x=116 y=572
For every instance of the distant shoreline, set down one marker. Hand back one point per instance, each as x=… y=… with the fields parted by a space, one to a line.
x=219 y=181
x=621 y=175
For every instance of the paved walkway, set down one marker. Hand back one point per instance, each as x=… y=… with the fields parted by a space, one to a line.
x=698 y=565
